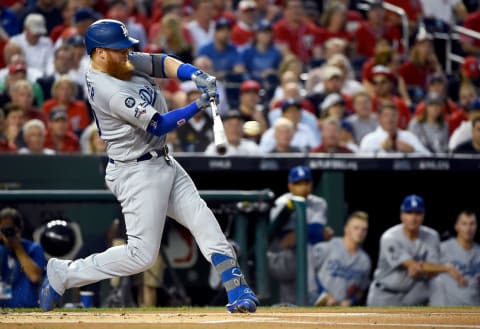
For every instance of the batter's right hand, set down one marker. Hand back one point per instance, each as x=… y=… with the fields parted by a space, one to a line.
x=205 y=82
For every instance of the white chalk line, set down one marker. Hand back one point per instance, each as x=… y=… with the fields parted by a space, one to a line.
x=269 y=320
x=376 y=314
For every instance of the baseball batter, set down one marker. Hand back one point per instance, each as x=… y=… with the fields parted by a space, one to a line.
x=133 y=118
x=409 y=258
x=463 y=253
x=342 y=268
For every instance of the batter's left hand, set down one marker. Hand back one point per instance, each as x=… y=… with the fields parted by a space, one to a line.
x=204 y=100
x=205 y=82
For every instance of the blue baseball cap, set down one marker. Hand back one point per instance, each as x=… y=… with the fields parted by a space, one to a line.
x=413 y=203
x=299 y=173
x=475 y=105
x=85 y=13
x=75 y=40
x=346 y=125
x=223 y=22
x=263 y=25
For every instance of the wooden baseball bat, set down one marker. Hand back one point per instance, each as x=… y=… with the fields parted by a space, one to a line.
x=218 y=132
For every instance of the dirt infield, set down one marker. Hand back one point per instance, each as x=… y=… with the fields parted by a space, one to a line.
x=321 y=318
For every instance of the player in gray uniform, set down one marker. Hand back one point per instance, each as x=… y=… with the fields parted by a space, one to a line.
x=133 y=119
x=463 y=253
x=281 y=255
x=342 y=268
x=409 y=257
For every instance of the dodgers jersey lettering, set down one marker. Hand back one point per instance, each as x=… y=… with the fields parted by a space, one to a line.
x=116 y=102
x=339 y=272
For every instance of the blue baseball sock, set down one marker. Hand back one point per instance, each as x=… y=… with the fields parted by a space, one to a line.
x=232 y=277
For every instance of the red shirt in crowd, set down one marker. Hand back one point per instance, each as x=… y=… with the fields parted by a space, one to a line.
x=77 y=112
x=301 y=40
x=33 y=113
x=472 y=22
x=414 y=75
x=170 y=85
x=2 y=45
x=455 y=119
x=70 y=143
x=6 y=147
x=354 y=16
x=241 y=34
x=324 y=34
x=366 y=39
x=57 y=31
x=413 y=8
x=367 y=68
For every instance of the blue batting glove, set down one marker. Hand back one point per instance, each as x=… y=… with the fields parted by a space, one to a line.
x=204 y=100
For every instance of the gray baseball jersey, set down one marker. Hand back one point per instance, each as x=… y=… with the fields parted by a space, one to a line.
x=123 y=110
x=391 y=284
x=340 y=273
x=316 y=213
x=148 y=191
x=445 y=290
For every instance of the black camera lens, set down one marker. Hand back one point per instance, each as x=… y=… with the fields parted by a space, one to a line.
x=8 y=231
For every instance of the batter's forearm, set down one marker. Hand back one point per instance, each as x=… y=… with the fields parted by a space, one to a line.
x=164 y=123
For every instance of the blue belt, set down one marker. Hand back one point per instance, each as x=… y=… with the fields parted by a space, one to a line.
x=147 y=156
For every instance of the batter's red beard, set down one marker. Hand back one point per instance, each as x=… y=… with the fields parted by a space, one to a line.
x=119 y=70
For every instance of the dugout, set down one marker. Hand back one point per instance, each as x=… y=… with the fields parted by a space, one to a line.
x=375 y=185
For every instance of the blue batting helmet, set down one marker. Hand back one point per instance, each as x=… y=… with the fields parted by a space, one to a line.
x=108 y=33
x=412 y=203
x=299 y=173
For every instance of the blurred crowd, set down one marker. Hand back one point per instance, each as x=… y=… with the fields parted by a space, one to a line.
x=331 y=76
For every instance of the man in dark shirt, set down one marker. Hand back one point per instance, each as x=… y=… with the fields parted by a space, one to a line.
x=471 y=146
x=196 y=134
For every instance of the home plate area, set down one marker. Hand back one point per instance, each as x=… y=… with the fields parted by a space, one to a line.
x=321 y=318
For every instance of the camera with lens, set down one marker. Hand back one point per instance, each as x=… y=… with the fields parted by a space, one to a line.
x=8 y=231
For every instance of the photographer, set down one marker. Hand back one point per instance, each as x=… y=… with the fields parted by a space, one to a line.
x=21 y=263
